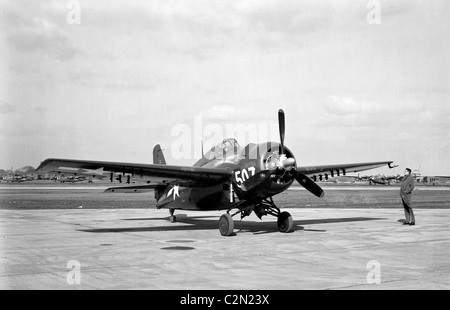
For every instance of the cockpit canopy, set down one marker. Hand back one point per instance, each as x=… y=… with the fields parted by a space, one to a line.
x=226 y=146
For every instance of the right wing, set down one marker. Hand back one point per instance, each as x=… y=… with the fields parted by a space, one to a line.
x=342 y=168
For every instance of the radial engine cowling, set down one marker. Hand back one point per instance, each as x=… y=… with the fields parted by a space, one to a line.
x=275 y=168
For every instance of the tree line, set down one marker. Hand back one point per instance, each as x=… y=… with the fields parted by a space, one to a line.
x=22 y=171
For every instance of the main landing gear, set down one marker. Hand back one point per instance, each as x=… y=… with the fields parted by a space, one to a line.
x=267 y=206
x=226 y=225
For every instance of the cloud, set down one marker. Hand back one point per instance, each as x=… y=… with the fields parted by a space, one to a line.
x=6 y=108
x=221 y=113
x=39 y=109
x=127 y=76
x=293 y=18
x=54 y=43
x=397 y=7
x=342 y=105
x=38 y=28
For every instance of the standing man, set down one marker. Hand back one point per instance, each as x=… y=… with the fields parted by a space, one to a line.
x=406 y=192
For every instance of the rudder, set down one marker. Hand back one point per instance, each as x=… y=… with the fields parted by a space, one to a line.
x=158 y=158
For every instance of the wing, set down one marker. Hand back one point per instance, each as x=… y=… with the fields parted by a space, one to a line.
x=133 y=189
x=154 y=174
x=343 y=169
x=99 y=173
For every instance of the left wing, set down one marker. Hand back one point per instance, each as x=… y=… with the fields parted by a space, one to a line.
x=154 y=174
x=343 y=169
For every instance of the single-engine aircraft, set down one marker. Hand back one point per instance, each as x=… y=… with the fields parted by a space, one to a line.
x=383 y=180
x=228 y=177
x=72 y=179
x=379 y=179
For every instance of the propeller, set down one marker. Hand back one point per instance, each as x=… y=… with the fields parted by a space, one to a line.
x=288 y=163
x=309 y=184
x=284 y=163
x=281 y=128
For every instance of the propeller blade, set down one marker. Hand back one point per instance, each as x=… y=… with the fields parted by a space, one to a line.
x=281 y=128
x=309 y=184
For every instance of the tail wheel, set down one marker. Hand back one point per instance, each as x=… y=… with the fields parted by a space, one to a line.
x=172 y=217
x=226 y=225
x=285 y=222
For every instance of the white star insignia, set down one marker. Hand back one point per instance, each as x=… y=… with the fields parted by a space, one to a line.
x=175 y=192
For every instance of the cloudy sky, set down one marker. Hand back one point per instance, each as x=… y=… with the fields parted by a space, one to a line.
x=112 y=79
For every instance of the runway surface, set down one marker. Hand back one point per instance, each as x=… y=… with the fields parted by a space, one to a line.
x=140 y=249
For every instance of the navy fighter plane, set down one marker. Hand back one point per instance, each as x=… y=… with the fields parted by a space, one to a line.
x=383 y=180
x=228 y=177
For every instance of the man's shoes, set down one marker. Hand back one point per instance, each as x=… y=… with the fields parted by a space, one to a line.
x=406 y=223
x=412 y=224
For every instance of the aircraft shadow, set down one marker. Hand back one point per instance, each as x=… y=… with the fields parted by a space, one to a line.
x=203 y=223
x=179 y=217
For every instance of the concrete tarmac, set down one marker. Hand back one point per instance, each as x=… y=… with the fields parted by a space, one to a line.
x=141 y=249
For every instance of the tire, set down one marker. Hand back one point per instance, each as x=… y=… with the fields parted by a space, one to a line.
x=285 y=222
x=226 y=225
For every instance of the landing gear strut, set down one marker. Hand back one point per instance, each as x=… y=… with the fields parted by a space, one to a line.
x=267 y=206
x=284 y=222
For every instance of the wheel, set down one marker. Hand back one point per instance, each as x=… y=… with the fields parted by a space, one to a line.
x=285 y=222
x=226 y=225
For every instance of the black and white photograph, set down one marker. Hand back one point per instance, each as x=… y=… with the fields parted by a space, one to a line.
x=224 y=150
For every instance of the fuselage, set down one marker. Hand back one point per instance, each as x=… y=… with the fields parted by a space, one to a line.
x=254 y=163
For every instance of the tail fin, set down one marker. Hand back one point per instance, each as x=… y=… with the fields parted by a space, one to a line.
x=158 y=156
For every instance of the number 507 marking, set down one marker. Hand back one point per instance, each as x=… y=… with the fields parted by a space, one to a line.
x=243 y=175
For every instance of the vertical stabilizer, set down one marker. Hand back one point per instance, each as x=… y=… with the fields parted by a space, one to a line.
x=158 y=156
